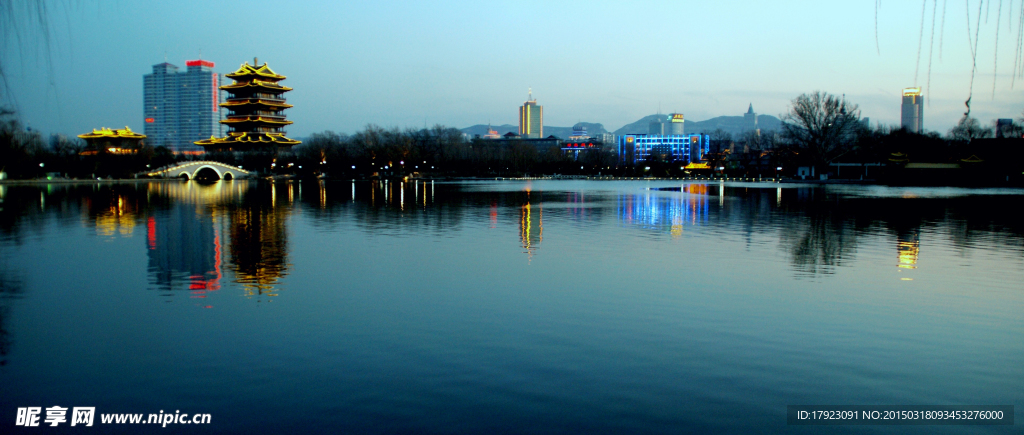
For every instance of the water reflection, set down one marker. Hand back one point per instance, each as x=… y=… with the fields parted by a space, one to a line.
x=259 y=240
x=663 y=211
x=10 y=289
x=909 y=246
x=184 y=245
x=531 y=227
x=198 y=237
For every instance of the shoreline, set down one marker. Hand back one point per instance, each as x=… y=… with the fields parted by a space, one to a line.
x=791 y=181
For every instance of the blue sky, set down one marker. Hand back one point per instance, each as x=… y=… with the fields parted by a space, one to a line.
x=460 y=63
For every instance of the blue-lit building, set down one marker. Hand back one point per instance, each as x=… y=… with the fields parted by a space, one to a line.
x=635 y=148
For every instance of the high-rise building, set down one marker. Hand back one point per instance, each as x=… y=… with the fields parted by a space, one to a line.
x=256 y=120
x=675 y=124
x=913 y=110
x=531 y=119
x=181 y=107
x=657 y=126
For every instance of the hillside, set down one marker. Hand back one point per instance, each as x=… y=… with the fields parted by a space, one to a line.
x=559 y=132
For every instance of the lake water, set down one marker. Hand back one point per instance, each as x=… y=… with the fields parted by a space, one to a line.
x=534 y=306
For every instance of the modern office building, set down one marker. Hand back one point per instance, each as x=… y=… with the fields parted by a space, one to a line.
x=256 y=120
x=531 y=119
x=912 y=117
x=182 y=107
x=675 y=124
x=636 y=148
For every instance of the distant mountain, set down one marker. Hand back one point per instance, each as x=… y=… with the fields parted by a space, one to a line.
x=732 y=124
x=593 y=129
x=559 y=132
x=481 y=129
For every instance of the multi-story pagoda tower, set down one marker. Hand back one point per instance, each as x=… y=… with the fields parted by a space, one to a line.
x=256 y=119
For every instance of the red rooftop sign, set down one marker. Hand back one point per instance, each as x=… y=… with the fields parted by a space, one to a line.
x=205 y=63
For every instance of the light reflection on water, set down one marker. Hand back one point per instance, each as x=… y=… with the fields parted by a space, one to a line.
x=512 y=306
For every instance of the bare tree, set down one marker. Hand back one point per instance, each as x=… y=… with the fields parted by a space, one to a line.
x=821 y=127
x=967 y=129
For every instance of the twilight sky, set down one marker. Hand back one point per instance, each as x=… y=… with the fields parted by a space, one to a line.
x=460 y=63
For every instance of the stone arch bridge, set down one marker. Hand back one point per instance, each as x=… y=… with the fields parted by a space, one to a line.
x=203 y=169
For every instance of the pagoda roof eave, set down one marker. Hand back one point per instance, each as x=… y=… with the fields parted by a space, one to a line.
x=258 y=119
x=106 y=133
x=258 y=102
x=256 y=84
x=244 y=138
x=246 y=70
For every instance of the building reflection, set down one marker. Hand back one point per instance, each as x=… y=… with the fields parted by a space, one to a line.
x=259 y=240
x=112 y=211
x=184 y=245
x=908 y=246
x=531 y=226
x=207 y=229
x=666 y=211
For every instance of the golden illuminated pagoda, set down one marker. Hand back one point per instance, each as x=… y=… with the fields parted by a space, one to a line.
x=112 y=141
x=256 y=119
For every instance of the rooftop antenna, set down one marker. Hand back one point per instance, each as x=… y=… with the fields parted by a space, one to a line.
x=530 y=98
x=255 y=61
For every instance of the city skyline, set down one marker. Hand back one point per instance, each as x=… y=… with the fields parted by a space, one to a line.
x=444 y=64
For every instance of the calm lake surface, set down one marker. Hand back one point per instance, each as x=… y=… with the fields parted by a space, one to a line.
x=508 y=306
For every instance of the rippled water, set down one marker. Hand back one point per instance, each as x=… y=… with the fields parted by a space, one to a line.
x=511 y=306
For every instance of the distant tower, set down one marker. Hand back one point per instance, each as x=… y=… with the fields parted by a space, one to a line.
x=675 y=124
x=912 y=117
x=657 y=126
x=531 y=119
x=750 y=118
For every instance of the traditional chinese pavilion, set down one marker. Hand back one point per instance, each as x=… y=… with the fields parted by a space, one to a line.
x=108 y=141
x=256 y=119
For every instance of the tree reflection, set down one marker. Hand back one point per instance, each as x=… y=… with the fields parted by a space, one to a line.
x=10 y=289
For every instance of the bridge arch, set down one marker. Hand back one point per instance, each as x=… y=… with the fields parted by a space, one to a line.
x=191 y=170
x=204 y=167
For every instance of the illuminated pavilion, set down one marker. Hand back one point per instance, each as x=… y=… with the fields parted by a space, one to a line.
x=112 y=141
x=256 y=119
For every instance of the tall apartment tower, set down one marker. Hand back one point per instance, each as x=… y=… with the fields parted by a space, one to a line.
x=182 y=107
x=531 y=119
x=913 y=110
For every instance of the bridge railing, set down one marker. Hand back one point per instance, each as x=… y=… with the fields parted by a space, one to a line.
x=169 y=168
